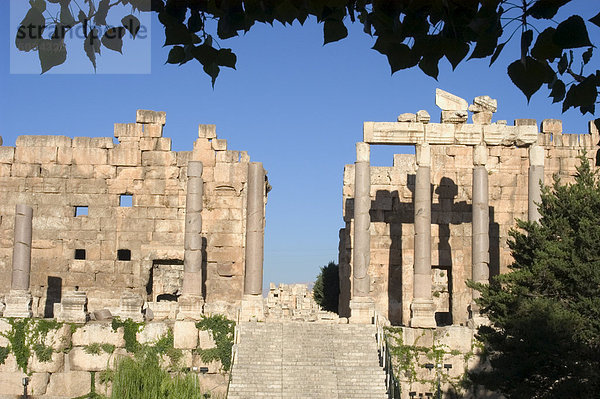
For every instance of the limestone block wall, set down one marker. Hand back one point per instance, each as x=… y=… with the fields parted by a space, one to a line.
x=109 y=214
x=80 y=353
x=392 y=230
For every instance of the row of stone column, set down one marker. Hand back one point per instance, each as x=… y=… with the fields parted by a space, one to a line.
x=18 y=301
x=422 y=307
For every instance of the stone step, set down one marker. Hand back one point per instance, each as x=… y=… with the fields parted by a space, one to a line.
x=307 y=360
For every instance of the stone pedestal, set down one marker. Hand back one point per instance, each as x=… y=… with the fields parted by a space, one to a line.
x=164 y=310
x=422 y=313
x=475 y=318
x=190 y=307
x=131 y=307
x=72 y=307
x=362 y=310
x=18 y=304
x=252 y=308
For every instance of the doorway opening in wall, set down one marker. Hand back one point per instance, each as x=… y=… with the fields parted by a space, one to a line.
x=165 y=280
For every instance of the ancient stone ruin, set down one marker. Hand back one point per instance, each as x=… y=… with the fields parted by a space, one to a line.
x=130 y=226
x=417 y=231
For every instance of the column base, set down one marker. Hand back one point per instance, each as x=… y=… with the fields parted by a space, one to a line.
x=18 y=304
x=72 y=308
x=190 y=307
x=131 y=307
x=362 y=310
x=252 y=308
x=422 y=314
x=475 y=318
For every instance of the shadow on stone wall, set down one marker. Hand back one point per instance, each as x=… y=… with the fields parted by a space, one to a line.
x=53 y=295
x=390 y=209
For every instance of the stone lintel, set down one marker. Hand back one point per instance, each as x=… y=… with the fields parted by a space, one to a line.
x=403 y=133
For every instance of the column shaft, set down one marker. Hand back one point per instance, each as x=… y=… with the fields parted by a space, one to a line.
x=21 y=264
x=480 y=227
x=361 y=249
x=192 y=279
x=422 y=277
x=255 y=231
x=536 y=176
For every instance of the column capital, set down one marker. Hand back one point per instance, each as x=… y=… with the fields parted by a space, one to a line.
x=363 y=152
x=480 y=155
x=423 y=154
x=536 y=155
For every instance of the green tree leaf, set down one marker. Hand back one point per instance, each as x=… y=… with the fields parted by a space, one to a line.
x=113 y=39
x=545 y=48
x=66 y=18
x=596 y=20
x=30 y=30
x=544 y=316
x=51 y=52
x=587 y=56
x=572 y=33
x=455 y=51
x=326 y=290
x=132 y=24
x=581 y=95
x=195 y=22
x=176 y=55
x=497 y=52
x=333 y=30
x=91 y=46
x=225 y=57
x=558 y=91
x=177 y=34
x=546 y=9
x=530 y=76
x=102 y=12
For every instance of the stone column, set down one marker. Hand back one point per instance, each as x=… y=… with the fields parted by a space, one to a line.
x=252 y=302
x=18 y=301
x=422 y=309
x=536 y=176
x=480 y=244
x=361 y=305
x=191 y=300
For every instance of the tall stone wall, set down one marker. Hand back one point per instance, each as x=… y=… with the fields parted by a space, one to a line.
x=59 y=176
x=392 y=218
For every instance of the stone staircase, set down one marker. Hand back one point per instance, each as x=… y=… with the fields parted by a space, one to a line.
x=307 y=360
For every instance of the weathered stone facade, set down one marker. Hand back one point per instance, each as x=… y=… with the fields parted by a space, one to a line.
x=109 y=217
x=68 y=373
x=454 y=149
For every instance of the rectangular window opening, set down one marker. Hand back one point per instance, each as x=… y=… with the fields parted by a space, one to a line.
x=124 y=254
x=81 y=211
x=80 y=254
x=126 y=200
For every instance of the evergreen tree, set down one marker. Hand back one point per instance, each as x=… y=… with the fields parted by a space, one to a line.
x=543 y=340
x=327 y=287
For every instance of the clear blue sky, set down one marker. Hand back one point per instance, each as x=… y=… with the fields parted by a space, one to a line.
x=292 y=103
